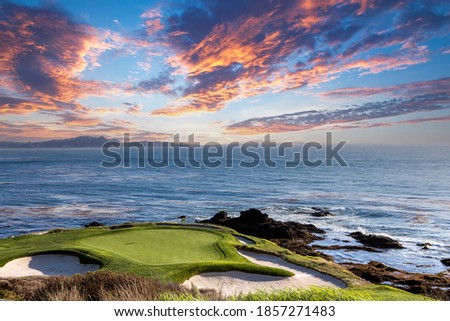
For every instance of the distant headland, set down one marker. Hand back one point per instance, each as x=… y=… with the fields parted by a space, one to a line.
x=76 y=142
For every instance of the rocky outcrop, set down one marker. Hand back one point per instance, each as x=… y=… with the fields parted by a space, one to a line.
x=254 y=222
x=377 y=241
x=94 y=224
x=348 y=248
x=291 y=235
x=320 y=212
x=297 y=237
x=424 y=246
x=432 y=285
x=221 y=216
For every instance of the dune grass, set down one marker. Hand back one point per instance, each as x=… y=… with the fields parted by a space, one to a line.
x=96 y=286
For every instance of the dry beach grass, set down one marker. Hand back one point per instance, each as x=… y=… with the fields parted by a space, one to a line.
x=97 y=286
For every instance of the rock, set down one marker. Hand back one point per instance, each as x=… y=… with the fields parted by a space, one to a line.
x=347 y=248
x=94 y=224
x=432 y=285
x=291 y=235
x=123 y=225
x=253 y=216
x=380 y=265
x=321 y=213
x=424 y=246
x=221 y=216
x=412 y=282
x=446 y=262
x=301 y=247
x=183 y=217
x=377 y=241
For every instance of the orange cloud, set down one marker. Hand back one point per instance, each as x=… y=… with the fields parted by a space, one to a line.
x=43 y=54
x=282 y=46
x=211 y=99
x=20 y=106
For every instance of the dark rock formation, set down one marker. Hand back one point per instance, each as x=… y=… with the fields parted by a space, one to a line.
x=93 y=224
x=221 y=216
x=377 y=241
x=291 y=235
x=254 y=222
x=253 y=216
x=432 y=285
x=446 y=262
x=424 y=246
x=320 y=212
x=123 y=225
x=348 y=248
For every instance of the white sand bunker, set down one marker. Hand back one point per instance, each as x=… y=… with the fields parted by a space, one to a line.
x=244 y=240
x=46 y=265
x=234 y=282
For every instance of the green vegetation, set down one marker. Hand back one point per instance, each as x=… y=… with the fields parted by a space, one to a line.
x=162 y=246
x=169 y=254
x=356 y=293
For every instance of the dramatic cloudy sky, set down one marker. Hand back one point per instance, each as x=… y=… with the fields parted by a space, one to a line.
x=371 y=71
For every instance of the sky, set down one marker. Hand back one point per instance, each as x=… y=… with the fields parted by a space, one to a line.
x=372 y=72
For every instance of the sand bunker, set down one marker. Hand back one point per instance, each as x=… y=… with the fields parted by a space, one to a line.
x=234 y=282
x=244 y=240
x=46 y=265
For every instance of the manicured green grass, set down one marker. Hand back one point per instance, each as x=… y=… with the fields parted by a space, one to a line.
x=160 y=246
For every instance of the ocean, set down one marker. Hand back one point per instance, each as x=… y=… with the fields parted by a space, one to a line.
x=399 y=191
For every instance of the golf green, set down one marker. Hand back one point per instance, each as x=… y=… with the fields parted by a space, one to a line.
x=168 y=252
x=160 y=246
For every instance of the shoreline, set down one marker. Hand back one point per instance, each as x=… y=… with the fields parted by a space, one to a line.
x=433 y=285
x=298 y=237
x=313 y=247
x=420 y=255
x=277 y=266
